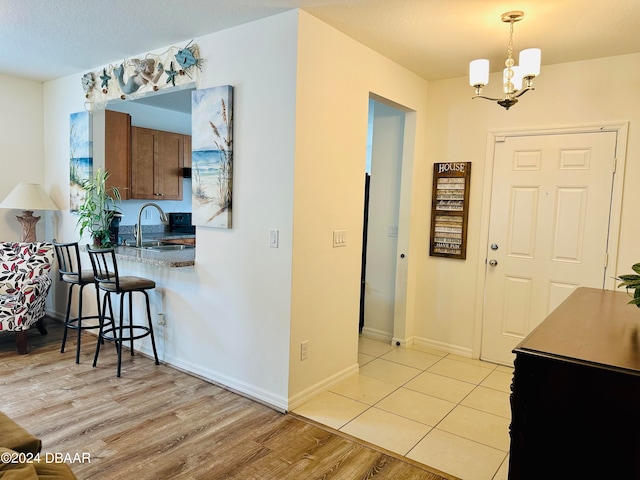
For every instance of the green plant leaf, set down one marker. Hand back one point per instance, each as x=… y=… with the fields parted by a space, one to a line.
x=98 y=208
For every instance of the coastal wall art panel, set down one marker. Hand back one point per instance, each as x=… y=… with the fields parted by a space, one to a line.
x=135 y=77
x=81 y=157
x=212 y=156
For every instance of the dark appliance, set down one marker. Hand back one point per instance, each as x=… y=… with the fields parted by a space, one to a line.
x=181 y=223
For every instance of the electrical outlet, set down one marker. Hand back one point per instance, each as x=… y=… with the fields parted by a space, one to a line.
x=162 y=319
x=304 y=350
x=147 y=214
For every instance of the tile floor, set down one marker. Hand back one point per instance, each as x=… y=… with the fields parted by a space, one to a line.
x=443 y=410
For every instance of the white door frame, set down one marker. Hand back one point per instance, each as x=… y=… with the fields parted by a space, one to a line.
x=621 y=128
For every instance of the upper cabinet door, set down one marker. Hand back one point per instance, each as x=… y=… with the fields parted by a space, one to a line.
x=117 y=151
x=156 y=164
x=186 y=161
x=168 y=165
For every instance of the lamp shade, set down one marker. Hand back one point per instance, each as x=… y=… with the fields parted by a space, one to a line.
x=28 y=196
x=529 y=62
x=479 y=72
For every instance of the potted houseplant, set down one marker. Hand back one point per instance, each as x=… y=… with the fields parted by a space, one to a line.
x=99 y=209
x=631 y=281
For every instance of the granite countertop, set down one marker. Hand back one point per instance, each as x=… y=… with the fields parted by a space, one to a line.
x=151 y=233
x=170 y=258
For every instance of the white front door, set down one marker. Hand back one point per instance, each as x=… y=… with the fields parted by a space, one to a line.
x=548 y=230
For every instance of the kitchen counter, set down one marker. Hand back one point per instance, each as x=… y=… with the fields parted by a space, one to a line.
x=170 y=258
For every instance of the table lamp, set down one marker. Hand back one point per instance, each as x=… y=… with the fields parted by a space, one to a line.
x=28 y=197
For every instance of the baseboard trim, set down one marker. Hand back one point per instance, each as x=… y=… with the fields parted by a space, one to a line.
x=443 y=347
x=379 y=335
x=265 y=397
x=300 y=398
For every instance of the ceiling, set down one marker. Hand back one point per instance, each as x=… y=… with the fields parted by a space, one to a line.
x=436 y=39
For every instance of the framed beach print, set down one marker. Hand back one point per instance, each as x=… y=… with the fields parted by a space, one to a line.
x=212 y=156
x=80 y=157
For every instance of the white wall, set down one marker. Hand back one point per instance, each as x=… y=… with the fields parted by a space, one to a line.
x=580 y=93
x=21 y=149
x=228 y=318
x=335 y=79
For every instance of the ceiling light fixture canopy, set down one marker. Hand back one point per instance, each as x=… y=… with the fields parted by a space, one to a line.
x=517 y=79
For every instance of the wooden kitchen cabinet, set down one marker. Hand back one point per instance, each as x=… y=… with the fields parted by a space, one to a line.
x=117 y=151
x=186 y=161
x=156 y=164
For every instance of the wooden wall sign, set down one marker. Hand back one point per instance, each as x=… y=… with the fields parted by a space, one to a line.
x=450 y=209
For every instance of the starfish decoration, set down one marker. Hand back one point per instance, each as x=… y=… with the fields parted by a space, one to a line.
x=171 y=75
x=105 y=78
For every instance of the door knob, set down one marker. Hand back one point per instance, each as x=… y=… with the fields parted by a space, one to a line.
x=493 y=262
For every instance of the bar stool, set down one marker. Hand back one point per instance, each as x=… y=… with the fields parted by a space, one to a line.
x=71 y=272
x=105 y=271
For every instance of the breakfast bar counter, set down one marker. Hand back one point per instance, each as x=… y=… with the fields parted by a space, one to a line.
x=165 y=258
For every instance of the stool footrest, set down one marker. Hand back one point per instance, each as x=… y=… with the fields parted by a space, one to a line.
x=111 y=334
x=73 y=323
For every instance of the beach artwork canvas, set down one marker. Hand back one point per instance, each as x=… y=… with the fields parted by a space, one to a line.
x=81 y=157
x=212 y=156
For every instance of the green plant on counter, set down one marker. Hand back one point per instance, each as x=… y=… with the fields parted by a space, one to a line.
x=98 y=209
x=631 y=281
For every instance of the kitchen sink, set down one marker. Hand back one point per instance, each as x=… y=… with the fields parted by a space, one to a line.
x=168 y=246
x=160 y=245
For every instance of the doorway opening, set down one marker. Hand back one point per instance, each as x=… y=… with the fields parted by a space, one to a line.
x=382 y=198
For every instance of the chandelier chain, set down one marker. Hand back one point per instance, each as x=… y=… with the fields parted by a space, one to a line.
x=509 y=62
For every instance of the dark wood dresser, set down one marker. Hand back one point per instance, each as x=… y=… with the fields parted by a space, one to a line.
x=575 y=400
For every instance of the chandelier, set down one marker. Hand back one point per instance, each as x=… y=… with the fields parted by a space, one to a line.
x=516 y=80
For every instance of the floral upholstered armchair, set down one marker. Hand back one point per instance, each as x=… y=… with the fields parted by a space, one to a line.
x=24 y=284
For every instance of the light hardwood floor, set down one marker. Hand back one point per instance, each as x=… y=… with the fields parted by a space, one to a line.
x=158 y=423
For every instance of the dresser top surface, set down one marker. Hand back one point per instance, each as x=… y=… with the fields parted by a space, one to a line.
x=592 y=325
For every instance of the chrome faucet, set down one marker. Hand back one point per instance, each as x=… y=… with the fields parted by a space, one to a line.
x=137 y=232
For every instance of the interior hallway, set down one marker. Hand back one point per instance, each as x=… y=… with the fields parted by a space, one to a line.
x=446 y=411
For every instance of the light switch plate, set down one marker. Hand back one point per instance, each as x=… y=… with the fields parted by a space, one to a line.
x=274 y=238
x=339 y=238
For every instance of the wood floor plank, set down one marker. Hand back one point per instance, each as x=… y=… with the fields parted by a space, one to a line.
x=156 y=422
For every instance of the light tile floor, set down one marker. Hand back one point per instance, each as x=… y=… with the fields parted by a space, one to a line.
x=446 y=411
